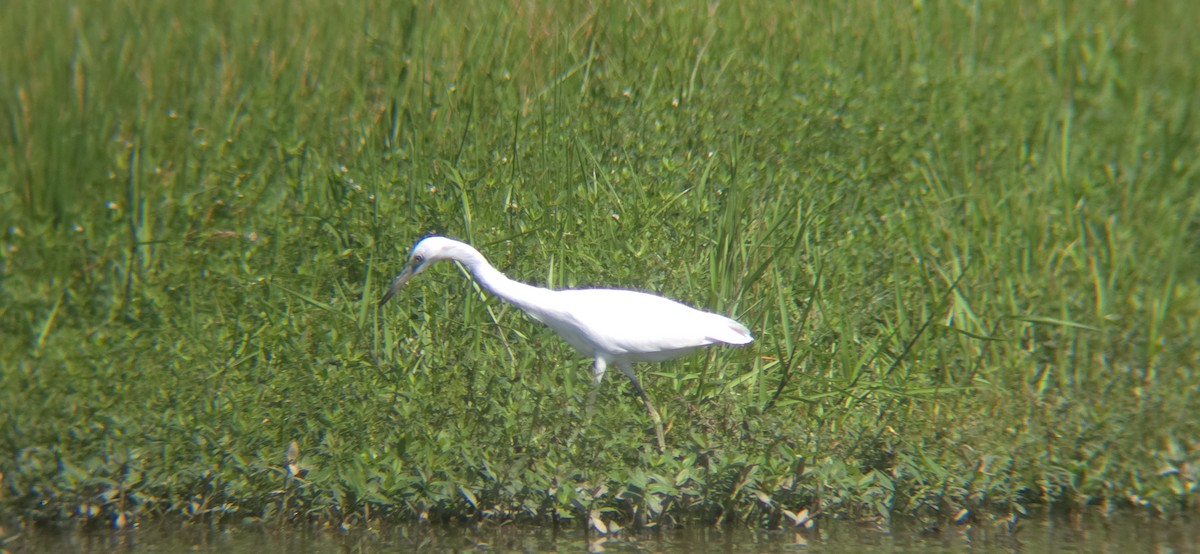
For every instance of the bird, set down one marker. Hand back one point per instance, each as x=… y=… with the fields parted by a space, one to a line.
x=612 y=326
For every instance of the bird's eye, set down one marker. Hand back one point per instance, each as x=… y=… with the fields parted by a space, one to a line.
x=418 y=259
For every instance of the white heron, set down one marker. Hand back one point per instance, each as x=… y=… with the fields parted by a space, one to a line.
x=612 y=326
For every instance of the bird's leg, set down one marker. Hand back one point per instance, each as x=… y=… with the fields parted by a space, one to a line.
x=627 y=369
x=598 y=370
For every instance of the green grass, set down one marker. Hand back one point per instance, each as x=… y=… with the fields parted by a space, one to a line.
x=964 y=234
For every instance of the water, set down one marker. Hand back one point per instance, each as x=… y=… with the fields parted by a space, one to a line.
x=1075 y=534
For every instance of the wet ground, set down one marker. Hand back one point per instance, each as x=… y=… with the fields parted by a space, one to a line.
x=1093 y=533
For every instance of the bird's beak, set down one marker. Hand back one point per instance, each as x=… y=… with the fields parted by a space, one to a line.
x=397 y=283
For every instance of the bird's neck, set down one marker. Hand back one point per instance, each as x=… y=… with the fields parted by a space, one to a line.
x=526 y=297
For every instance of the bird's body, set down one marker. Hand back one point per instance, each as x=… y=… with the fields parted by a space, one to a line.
x=612 y=326
x=623 y=325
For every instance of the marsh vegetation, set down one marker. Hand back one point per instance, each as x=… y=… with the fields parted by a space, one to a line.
x=965 y=236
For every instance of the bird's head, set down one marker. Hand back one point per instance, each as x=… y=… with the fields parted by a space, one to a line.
x=424 y=253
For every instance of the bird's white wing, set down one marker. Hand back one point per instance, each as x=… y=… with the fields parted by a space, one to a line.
x=645 y=327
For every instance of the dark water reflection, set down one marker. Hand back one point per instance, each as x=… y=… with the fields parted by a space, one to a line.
x=1072 y=534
